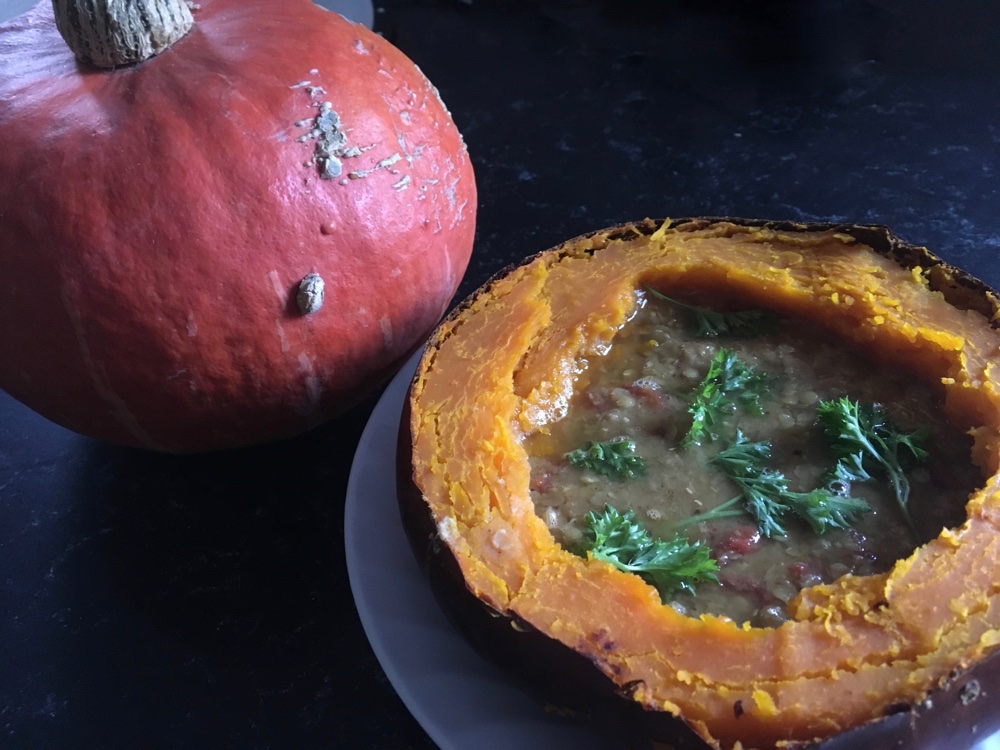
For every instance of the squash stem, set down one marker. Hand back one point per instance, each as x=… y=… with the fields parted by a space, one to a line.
x=109 y=34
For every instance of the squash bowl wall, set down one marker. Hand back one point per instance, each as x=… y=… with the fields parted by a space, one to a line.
x=902 y=659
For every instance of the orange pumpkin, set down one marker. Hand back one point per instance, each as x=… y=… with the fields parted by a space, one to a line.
x=227 y=242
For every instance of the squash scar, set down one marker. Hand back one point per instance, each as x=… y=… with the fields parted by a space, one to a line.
x=314 y=387
x=385 y=324
x=99 y=379
x=329 y=133
x=383 y=164
x=310 y=293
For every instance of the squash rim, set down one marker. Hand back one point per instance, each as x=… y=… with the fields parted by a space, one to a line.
x=960 y=289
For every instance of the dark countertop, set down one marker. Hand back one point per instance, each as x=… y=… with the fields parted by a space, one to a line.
x=202 y=602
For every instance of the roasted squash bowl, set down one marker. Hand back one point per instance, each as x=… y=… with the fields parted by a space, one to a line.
x=900 y=659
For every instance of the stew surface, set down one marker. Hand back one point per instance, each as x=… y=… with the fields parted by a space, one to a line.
x=642 y=389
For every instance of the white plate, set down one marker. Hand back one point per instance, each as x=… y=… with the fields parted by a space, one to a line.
x=461 y=700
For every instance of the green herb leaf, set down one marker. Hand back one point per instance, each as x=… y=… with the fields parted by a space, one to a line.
x=711 y=323
x=823 y=509
x=864 y=440
x=670 y=566
x=729 y=509
x=767 y=496
x=742 y=462
x=616 y=459
x=728 y=382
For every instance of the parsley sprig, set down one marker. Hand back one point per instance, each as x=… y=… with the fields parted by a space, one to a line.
x=727 y=383
x=863 y=440
x=671 y=566
x=711 y=323
x=616 y=459
x=767 y=497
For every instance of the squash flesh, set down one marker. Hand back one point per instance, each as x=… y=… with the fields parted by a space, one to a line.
x=507 y=365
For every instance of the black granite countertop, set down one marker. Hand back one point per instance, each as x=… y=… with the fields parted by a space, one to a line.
x=202 y=602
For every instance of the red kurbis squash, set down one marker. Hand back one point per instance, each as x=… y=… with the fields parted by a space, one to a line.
x=227 y=242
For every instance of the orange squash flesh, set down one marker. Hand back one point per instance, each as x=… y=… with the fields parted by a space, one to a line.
x=505 y=364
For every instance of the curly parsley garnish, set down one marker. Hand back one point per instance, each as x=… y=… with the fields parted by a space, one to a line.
x=616 y=459
x=710 y=323
x=864 y=440
x=671 y=566
x=767 y=497
x=728 y=382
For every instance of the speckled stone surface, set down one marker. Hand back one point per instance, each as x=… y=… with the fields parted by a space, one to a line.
x=202 y=602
